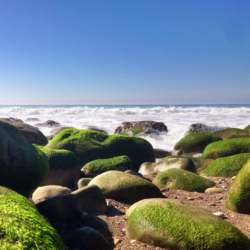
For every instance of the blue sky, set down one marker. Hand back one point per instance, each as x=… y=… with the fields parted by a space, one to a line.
x=124 y=52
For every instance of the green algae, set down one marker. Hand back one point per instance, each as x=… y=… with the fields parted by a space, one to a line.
x=231 y=133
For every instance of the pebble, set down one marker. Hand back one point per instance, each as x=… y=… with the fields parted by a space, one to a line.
x=116 y=241
x=124 y=229
x=164 y=189
x=219 y=214
x=211 y=204
x=233 y=177
x=213 y=190
x=190 y=198
x=132 y=241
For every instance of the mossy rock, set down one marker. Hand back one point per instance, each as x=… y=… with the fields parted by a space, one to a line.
x=201 y=163
x=22 y=167
x=100 y=166
x=161 y=153
x=150 y=168
x=90 y=145
x=122 y=186
x=247 y=128
x=172 y=224
x=179 y=179
x=22 y=226
x=83 y=182
x=196 y=142
x=227 y=147
x=238 y=198
x=232 y=133
x=226 y=166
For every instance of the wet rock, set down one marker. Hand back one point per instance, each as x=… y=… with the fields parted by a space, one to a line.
x=49 y=123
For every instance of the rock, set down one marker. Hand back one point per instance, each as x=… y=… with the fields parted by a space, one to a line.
x=121 y=186
x=170 y=224
x=211 y=204
x=83 y=182
x=63 y=207
x=64 y=167
x=179 y=179
x=96 y=167
x=247 y=128
x=196 y=142
x=22 y=167
x=22 y=226
x=32 y=120
x=130 y=171
x=93 y=128
x=231 y=133
x=161 y=153
x=226 y=166
x=43 y=193
x=213 y=190
x=227 y=147
x=150 y=168
x=86 y=238
x=12 y=120
x=142 y=125
x=178 y=152
x=200 y=127
x=55 y=131
x=32 y=134
x=238 y=198
x=219 y=214
x=90 y=145
x=201 y=163
x=48 y=123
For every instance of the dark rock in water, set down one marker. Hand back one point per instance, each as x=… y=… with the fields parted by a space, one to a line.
x=93 y=128
x=49 y=123
x=32 y=120
x=157 y=126
x=199 y=127
x=161 y=153
x=12 y=119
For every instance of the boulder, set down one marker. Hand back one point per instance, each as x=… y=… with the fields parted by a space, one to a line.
x=83 y=182
x=232 y=133
x=161 y=153
x=55 y=131
x=201 y=163
x=226 y=166
x=86 y=238
x=22 y=167
x=172 y=224
x=46 y=192
x=32 y=134
x=150 y=168
x=63 y=207
x=49 y=123
x=90 y=145
x=196 y=142
x=94 y=128
x=100 y=166
x=227 y=147
x=179 y=179
x=142 y=125
x=200 y=127
x=32 y=120
x=238 y=198
x=122 y=186
x=130 y=171
x=12 y=120
x=22 y=226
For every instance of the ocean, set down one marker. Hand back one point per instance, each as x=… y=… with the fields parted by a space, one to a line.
x=177 y=118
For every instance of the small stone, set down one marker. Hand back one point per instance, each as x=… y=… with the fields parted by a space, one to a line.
x=124 y=229
x=116 y=241
x=219 y=214
x=164 y=189
x=223 y=186
x=132 y=241
x=233 y=177
x=213 y=190
x=211 y=204
x=190 y=198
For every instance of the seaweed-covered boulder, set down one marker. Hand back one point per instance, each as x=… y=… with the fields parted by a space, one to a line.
x=226 y=166
x=227 y=147
x=171 y=224
x=201 y=163
x=231 y=133
x=179 y=179
x=83 y=182
x=122 y=186
x=22 y=167
x=22 y=226
x=64 y=167
x=32 y=134
x=238 y=198
x=150 y=168
x=196 y=142
x=90 y=145
x=100 y=166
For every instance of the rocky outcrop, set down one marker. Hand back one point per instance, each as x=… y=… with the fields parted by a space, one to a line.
x=200 y=127
x=49 y=123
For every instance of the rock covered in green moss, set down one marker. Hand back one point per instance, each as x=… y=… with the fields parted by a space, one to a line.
x=238 y=198
x=22 y=226
x=99 y=166
x=227 y=147
x=83 y=182
x=231 y=133
x=122 y=186
x=196 y=142
x=247 y=128
x=151 y=168
x=226 y=166
x=90 y=145
x=179 y=179
x=171 y=224
x=201 y=163
x=22 y=167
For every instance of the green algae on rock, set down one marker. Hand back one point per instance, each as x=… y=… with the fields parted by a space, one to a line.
x=171 y=224
x=227 y=147
x=22 y=167
x=196 y=142
x=122 y=186
x=83 y=182
x=99 y=166
x=179 y=179
x=201 y=163
x=226 y=166
x=22 y=227
x=238 y=198
x=231 y=133
x=90 y=145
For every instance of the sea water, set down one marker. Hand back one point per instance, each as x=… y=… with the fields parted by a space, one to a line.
x=177 y=118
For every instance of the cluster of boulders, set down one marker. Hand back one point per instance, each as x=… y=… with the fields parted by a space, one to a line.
x=77 y=170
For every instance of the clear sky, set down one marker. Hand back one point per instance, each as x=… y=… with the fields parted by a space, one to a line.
x=124 y=52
